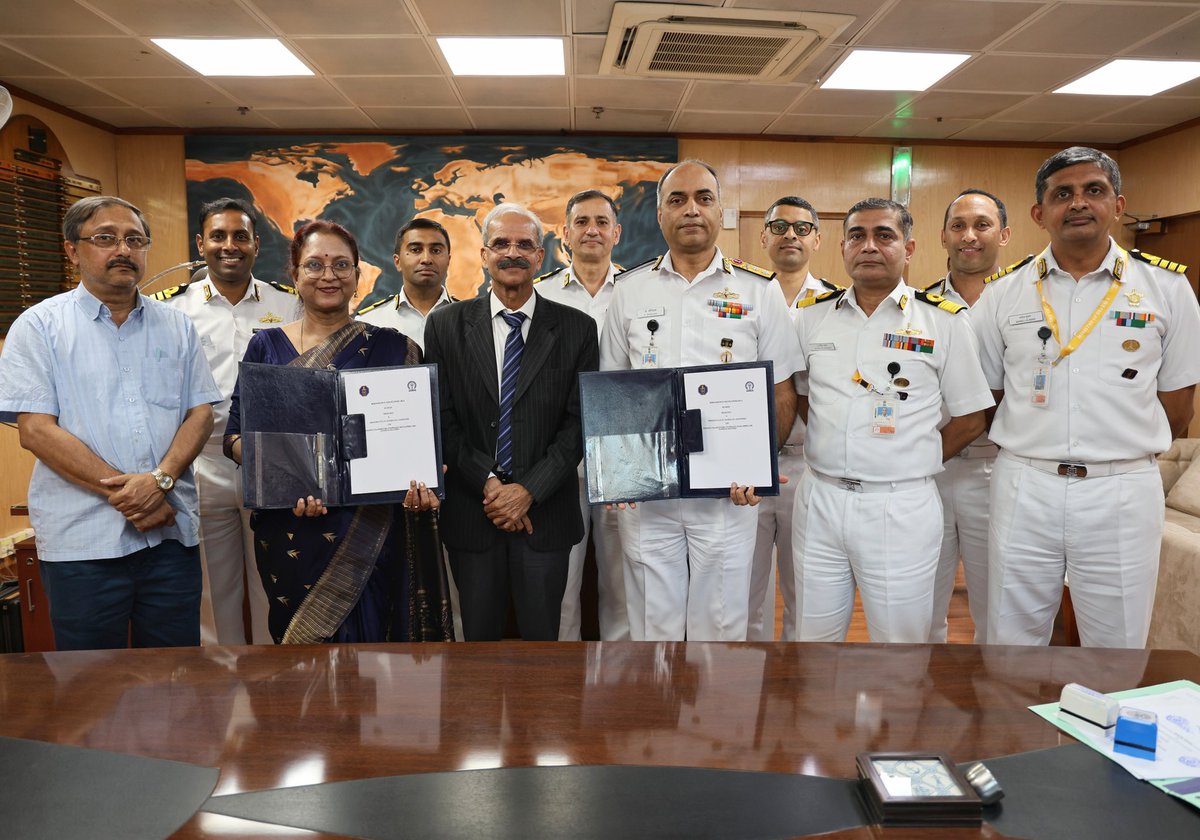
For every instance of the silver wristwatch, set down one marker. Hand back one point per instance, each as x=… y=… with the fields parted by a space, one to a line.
x=164 y=481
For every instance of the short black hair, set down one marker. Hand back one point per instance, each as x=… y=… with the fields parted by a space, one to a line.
x=220 y=205
x=906 y=219
x=588 y=195
x=795 y=201
x=421 y=223
x=974 y=191
x=1071 y=157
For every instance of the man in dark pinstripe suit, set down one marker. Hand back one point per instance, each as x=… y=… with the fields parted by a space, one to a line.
x=507 y=369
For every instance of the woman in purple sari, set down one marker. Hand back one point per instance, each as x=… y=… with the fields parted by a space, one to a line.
x=369 y=573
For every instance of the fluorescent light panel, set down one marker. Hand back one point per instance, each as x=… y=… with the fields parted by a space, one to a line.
x=1134 y=77
x=892 y=70
x=504 y=56
x=235 y=56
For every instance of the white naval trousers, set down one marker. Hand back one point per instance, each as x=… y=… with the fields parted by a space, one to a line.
x=1102 y=532
x=227 y=556
x=884 y=539
x=601 y=524
x=687 y=569
x=965 y=489
x=774 y=544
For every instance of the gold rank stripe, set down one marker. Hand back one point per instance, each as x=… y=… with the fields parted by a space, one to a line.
x=809 y=301
x=1158 y=262
x=1002 y=272
x=940 y=302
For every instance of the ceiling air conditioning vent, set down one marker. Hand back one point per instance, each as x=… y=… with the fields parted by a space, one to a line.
x=697 y=42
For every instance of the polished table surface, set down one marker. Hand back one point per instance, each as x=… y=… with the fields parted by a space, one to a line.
x=272 y=717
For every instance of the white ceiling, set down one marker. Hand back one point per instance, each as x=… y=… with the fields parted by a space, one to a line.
x=378 y=68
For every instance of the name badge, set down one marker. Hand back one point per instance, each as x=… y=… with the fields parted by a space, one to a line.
x=651 y=312
x=1025 y=318
x=821 y=345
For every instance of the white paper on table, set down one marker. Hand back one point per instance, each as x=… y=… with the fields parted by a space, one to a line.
x=397 y=404
x=735 y=416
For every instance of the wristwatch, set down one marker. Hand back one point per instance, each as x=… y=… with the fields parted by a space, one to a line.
x=164 y=481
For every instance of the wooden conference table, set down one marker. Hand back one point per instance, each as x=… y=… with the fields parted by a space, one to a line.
x=273 y=717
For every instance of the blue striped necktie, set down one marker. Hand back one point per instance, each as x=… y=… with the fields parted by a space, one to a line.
x=514 y=346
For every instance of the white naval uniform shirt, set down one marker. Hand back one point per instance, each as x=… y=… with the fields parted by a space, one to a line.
x=837 y=338
x=562 y=286
x=1096 y=410
x=396 y=312
x=690 y=329
x=225 y=328
x=945 y=288
x=811 y=288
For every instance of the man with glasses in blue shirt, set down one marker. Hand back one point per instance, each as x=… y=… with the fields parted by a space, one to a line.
x=111 y=392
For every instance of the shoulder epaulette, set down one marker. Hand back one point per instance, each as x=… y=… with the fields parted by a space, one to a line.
x=731 y=262
x=167 y=294
x=1158 y=262
x=940 y=302
x=821 y=298
x=833 y=287
x=363 y=310
x=281 y=287
x=620 y=274
x=558 y=270
x=1008 y=270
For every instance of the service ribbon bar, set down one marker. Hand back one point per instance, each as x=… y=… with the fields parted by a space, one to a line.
x=908 y=342
x=730 y=308
x=1133 y=319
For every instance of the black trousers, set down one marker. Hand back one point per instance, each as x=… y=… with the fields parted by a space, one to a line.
x=537 y=580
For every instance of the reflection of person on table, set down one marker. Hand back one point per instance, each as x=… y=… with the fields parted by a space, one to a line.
x=352 y=574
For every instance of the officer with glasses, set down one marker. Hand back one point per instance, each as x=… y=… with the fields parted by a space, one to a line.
x=111 y=392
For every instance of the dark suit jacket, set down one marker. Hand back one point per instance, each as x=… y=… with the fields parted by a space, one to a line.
x=547 y=439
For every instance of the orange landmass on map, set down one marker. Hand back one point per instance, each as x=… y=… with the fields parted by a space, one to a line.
x=367 y=157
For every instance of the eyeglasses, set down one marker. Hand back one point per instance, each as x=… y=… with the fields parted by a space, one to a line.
x=779 y=227
x=315 y=269
x=108 y=241
x=501 y=246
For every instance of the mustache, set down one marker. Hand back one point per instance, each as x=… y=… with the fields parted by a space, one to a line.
x=513 y=262
x=116 y=261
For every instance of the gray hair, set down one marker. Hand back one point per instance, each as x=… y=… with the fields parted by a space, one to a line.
x=79 y=212
x=906 y=219
x=667 y=174
x=517 y=209
x=1071 y=157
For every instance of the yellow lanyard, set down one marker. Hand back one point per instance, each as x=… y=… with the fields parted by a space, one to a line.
x=1083 y=332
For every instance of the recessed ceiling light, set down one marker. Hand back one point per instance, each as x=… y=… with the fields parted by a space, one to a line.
x=892 y=70
x=504 y=56
x=1134 y=77
x=235 y=56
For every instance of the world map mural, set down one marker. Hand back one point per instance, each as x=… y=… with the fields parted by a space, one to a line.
x=373 y=185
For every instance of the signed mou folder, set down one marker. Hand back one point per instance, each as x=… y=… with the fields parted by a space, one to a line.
x=349 y=437
x=669 y=433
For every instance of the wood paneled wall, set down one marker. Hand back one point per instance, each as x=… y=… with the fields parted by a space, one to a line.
x=1161 y=177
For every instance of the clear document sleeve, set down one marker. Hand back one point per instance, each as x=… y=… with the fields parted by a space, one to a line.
x=668 y=433
x=349 y=438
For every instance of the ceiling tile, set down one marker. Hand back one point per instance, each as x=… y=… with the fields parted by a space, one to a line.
x=1182 y=42
x=725 y=96
x=862 y=103
x=513 y=91
x=55 y=17
x=486 y=17
x=213 y=118
x=945 y=24
x=126 y=117
x=961 y=105
x=343 y=17
x=1158 y=109
x=12 y=63
x=396 y=91
x=1191 y=88
x=587 y=55
x=622 y=119
x=317 y=118
x=1102 y=133
x=629 y=93
x=369 y=56
x=1093 y=29
x=804 y=126
x=165 y=93
x=1060 y=107
x=101 y=56
x=419 y=119
x=594 y=15
x=291 y=92
x=67 y=92
x=698 y=122
x=861 y=9
x=1010 y=131
x=901 y=127
x=819 y=67
x=156 y=19
x=1017 y=73
x=522 y=119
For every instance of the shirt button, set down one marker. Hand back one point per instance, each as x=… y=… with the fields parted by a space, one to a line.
x=1074 y=370
x=125 y=370
x=131 y=399
x=1079 y=300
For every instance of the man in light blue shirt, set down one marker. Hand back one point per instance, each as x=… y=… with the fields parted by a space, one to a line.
x=112 y=393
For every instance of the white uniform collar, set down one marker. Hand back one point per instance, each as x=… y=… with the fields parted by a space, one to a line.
x=1115 y=262
x=569 y=276
x=402 y=298
x=717 y=265
x=210 y=290
x=901 y=296
x=811 y=284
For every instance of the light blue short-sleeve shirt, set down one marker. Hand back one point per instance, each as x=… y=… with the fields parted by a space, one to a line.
x=124 y=393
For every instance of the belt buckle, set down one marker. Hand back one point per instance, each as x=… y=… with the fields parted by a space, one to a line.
x=1072 y=470
x=850 y=484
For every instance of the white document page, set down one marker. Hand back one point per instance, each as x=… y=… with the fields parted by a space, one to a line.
x=735 y=408
x=397 y=404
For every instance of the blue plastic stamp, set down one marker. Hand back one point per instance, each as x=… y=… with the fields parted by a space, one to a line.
x=1136 y=733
